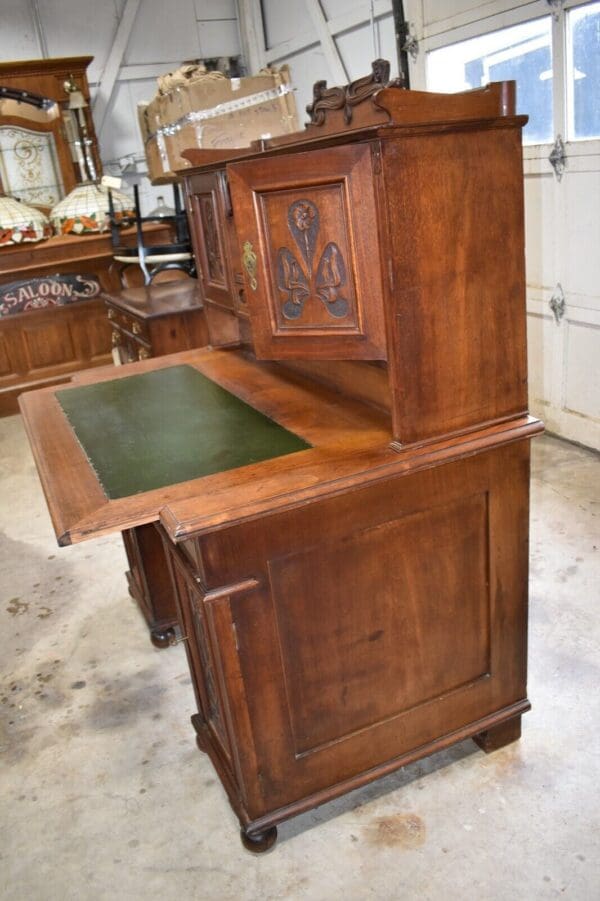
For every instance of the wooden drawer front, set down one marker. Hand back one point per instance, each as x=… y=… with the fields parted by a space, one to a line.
x=125 y=322
x=379 y=623
x=307 y=228
x=207 y=212
x=129 y=347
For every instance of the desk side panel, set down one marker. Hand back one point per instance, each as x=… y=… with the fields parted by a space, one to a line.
x=456 y=300
x=380 y=622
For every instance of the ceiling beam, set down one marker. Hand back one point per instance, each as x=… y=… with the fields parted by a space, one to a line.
x=252 y=35
x=334 y=60
x=108 y=78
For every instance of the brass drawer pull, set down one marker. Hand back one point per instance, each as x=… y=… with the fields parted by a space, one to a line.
x=136 y=328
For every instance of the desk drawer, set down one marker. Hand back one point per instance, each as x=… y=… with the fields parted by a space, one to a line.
x=130 y=348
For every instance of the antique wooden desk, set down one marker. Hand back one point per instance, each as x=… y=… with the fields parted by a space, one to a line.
x=359 y=600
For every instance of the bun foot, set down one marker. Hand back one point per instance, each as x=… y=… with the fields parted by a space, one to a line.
x=498 y=736
x=200 y=729
x=261 y=842
x=162 y=638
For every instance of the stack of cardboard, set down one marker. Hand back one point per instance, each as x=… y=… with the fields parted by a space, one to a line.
x=209 y=110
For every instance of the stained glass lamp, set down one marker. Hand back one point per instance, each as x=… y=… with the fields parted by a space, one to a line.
x=20 y=223
x=85 y=210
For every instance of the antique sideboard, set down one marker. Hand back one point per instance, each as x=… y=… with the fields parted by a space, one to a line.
x=347 y=537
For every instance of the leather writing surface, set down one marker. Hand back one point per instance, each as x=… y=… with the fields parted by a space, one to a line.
x=155 y=429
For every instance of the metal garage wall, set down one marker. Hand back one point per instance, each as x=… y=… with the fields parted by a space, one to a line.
x=562 y=214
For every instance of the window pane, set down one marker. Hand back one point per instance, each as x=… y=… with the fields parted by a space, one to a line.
x=583 y=71
x=522 y=52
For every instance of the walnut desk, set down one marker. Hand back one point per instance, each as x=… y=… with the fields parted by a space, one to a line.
x=359 y=601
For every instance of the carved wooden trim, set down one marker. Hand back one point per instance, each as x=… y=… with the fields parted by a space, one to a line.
x=349 y=96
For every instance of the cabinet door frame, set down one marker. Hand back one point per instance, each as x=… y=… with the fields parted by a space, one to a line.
x=337 y=310
x=207 y=212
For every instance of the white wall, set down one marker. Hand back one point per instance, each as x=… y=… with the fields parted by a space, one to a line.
x=163 y=34
x=293 y=38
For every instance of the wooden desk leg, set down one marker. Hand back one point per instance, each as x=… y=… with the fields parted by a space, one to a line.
x=499 y=736
x=150 y=584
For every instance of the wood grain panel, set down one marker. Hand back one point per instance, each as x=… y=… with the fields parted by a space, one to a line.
x=98 y=334
x=5 y=363
x=418 y=583
x=48 y=344
x=456 y=312
x=384 y=618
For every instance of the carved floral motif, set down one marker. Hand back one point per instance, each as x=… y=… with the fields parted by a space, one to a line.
x=211 y=238
x=297 y=282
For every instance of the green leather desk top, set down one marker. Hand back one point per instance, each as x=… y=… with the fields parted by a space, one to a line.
x=147 y=431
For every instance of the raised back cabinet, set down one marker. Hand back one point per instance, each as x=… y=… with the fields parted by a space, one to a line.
x=359 y=600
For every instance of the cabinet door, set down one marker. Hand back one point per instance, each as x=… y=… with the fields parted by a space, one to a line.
x=308 y=233
x=207 y=208
x=379 y=623
x=213 y=721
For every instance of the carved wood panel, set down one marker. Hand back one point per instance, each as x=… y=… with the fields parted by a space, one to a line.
x=312 y=265
x=308 y=231
x=207 y=217
x=214 y=257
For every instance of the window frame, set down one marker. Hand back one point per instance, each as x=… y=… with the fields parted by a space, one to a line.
x=456 y=29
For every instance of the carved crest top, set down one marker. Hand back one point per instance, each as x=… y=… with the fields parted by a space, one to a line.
x=348 y=97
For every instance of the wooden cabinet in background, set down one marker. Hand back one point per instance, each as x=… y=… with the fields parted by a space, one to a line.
x=45 y=345
x=156 y=319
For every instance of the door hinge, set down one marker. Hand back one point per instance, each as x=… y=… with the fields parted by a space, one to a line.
x=411 y=46
x=557 y=303
x=558 y=157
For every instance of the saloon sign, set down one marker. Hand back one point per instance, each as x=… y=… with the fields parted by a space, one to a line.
x=50 y=290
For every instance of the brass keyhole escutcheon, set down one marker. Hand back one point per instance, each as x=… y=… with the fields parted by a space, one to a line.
x=249 y=261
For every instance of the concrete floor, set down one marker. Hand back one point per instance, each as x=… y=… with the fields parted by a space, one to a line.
x=103 y=794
